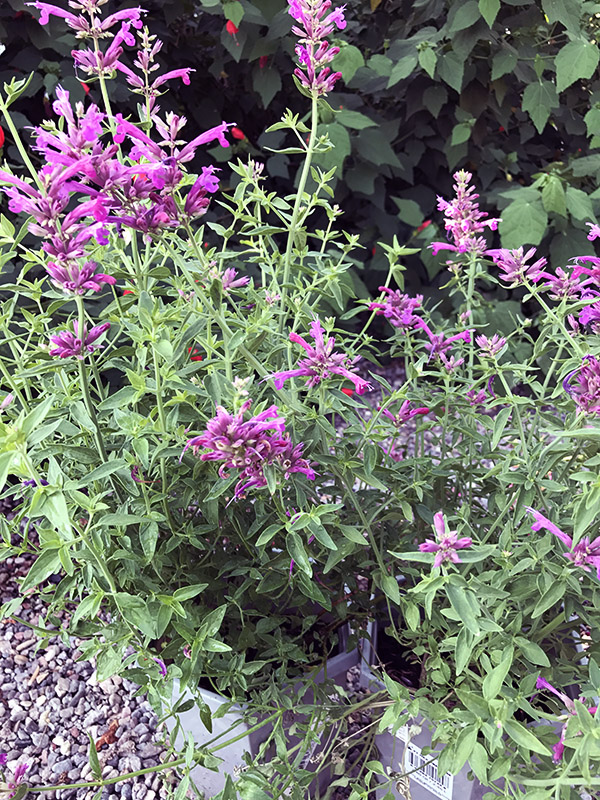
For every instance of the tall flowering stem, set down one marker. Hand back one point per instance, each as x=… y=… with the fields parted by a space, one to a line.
x=314 y=23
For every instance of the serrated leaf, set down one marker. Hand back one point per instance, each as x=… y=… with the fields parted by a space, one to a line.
x=579 y=204
x=503 y=62
x=402 y=69
x=489 y=10
x=576 y=60
x=538 y=100
x=428 y=60
x=553 y=196
x=347 y=61
x=451 y=70
x=567 y=12
x=523 y=223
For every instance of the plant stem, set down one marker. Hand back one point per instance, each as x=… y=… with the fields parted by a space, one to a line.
x=22 y=151
x=287 y=259
x=85 y=388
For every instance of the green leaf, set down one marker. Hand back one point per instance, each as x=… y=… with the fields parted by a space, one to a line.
x=451 y=70
x=499 y=425
x=463 y=748
x=489 y=10
x=103 y=471
x=93 y=759
x=553 y=196
x=409 y=211
x=492 y=683
x=5 y=464
x=461 y=133
x=524 y=737
x=212 y=622
x=108 y=663
x=268 y=534
x=35 y=418
x=579 y=204
x=567 y=12
x=577 y=59
x=465 y=641
x=148 y=539
x=538 y=99
x=523 y=222
x=551 y=597
x=390 y=588
x=321 y=535
x=234 y=11
x=46 y=564
x=374 y=146
x=340 y=139
x=354 y=119
x=428 y=60
x=463 y=601
x=434 y=98
x=532 y=652
x=119 y=399
x=165 y=349
x=478 y=761
x=466 y=15
x=266 y=83
x=295 y=548
x=503 y=62
x=402 y=69
x=347 y=61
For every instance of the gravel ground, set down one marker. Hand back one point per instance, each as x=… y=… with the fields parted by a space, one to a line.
x=49 y=702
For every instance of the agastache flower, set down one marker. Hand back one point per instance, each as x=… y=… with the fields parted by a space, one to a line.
x=404 y=414
x=161 y=666
x=513 y=263
x=569 y=704
x=250 y=446
x=464 y=221
x=75 y=279
x=447 y=543
x=321 y=362
x=398 y=308
x=438 y=342
x=584 y=554
x=563 y=284
x=17 y=779
x=586 y=389
x=490 y=347
x=313 y=51
x=3 y=759
x=594 y=232
x=68 y=344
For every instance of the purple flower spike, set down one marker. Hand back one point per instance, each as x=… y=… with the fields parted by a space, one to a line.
x=513 y=263
x=3 y=759
x=250 y=446
x=594 y=232
x=559 y=747
x=161 y=666
x=397 y=308
x=405 y=413
x=584 y=554
x=321 y=362
x=464 y=221
x=490 y=347
x=18 y=776
x=67 y=344
x=313 y=51
x=447 y=545
x=585 y=390
x=75 y=279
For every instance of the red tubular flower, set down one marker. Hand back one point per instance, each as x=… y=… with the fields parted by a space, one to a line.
x=1 y=138
x=238 y=133
x=127 y=291
x=424 y=225
x=231 y=28
x=349 y=392
x=86 y=88
x=193 y=356
x=263 y=61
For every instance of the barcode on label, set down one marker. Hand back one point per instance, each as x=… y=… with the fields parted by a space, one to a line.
x=427 y=774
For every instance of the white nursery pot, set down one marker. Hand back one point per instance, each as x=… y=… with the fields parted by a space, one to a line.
x=209 y=782
x=402 y=755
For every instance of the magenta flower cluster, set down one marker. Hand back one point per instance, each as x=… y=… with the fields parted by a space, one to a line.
x=250 y=446
x=559 y=748
x=584 y=554
x=583 y=384
x=314 y=23
x=321 y=362
x=447 y=543
x=398 y=308
x=104 y=192
x=464 y=221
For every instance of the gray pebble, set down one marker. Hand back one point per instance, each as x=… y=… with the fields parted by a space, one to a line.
x=66 y=765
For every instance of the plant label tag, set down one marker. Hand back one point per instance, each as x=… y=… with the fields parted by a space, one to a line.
x=427 y=773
